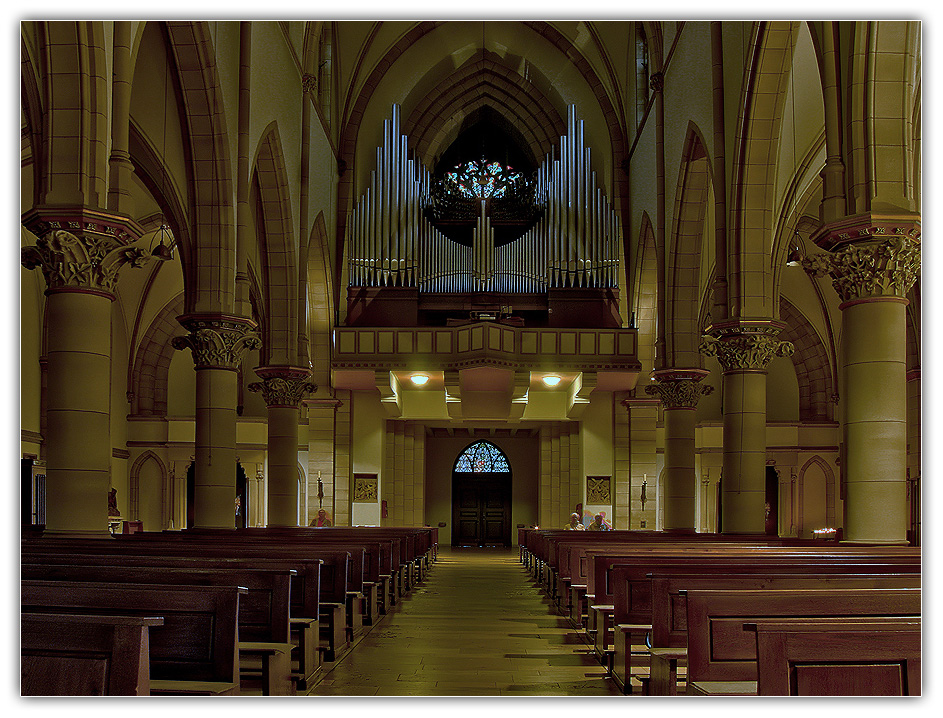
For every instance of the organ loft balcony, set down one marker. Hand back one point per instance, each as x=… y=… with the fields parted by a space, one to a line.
x=487 y=367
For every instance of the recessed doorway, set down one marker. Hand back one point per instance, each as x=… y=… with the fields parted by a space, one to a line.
x=481 y=497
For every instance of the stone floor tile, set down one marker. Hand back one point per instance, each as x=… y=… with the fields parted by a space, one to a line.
x=476 y=626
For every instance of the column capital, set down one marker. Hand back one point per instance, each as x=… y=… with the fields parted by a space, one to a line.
x=745 y=344
x=81 y=249
x=283 y=386
x=865 y=227
x=679 y=388
x=217 y=341
x=873 y=268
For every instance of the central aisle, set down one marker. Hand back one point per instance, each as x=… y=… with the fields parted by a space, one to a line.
x=477 y=626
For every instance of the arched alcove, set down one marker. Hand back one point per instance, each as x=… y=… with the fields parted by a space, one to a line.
x=815 y=486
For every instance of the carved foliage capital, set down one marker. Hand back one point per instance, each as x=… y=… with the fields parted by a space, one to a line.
x=886 y=268
x=678 y=393
x=285 y=390
x=83 y=261
x=217 y=343
x=745 y=351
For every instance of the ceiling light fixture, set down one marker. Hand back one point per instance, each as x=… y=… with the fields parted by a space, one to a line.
x=419 y=379
x=552 y=379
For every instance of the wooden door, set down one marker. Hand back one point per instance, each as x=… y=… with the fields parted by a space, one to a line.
x=481 y=509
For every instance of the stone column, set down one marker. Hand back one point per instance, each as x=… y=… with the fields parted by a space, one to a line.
x=283 y=388
x=872 y=273
x=120 y=169
x=679 y=391
x=218 y=343
x=79 y=253
x=744 y=349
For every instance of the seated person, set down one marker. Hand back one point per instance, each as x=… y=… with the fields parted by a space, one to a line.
x=321 y=520
x=598 y=524
x=575 y=524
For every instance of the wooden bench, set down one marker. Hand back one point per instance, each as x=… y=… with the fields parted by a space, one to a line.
x=838 y=657
x=668 y=650
x=264 y=635
x=194 y=652
x=80 y=655
x=722 y=655
x=306 y=591
x=646 y=560
x=361 y=598
x=335 y=609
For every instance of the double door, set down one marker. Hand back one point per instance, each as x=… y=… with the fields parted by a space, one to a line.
x=481 y=509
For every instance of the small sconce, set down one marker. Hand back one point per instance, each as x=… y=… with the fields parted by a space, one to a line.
x=320 y=491
x=643 y=495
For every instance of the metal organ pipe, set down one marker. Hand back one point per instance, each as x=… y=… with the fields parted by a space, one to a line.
x=573 y=244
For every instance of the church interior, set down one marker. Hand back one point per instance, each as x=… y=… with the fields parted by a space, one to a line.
x=441 y=285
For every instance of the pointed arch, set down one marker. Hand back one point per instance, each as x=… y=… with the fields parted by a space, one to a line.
x=210 y=167
x=646 y=291
x=812 y=365
x=149 y=376
x=684 y=257
x=804 y=484
x=277 y=249
x=31 y=108
x=135 y=498
x=320 y=302
x=482 y=81
x=753 y=178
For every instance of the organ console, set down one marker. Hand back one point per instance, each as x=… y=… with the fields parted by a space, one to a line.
x=567 y=239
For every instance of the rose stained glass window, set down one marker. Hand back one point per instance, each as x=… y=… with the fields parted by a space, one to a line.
x=482 y=458
x=481 y=179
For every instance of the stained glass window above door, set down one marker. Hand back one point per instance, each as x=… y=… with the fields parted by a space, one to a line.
x=482 y=457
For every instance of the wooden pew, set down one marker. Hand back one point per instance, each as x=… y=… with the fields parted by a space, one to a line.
x=838 y=657
x=647 y=559
x=363 y=580
x=264 y=635
x=80 y=655
x=634 y=603
x=722 y=655
x=318 y=591
x=668 y=649
x=194 y=652
x=335 y=608
x=377 y=560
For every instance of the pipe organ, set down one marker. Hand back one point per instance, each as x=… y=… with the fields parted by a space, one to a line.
x=574 y=242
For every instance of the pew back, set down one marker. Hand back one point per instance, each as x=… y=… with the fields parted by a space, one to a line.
x=197 y=641
x=82 y=655
x=720 y=649
x=838 y=658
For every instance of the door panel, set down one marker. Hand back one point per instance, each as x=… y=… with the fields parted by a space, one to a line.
x=481 y=514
